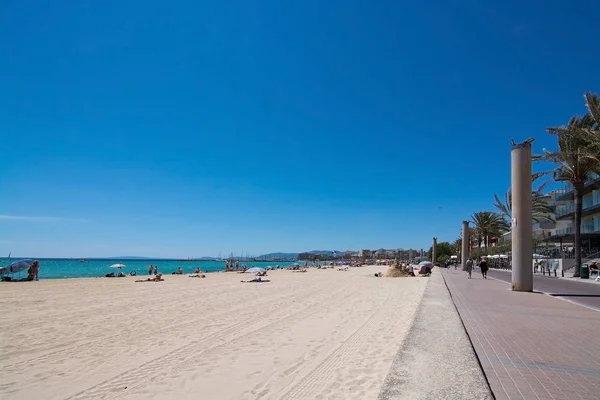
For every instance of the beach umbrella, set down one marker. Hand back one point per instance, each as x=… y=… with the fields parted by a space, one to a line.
x=16 y=266
x=117 y=266
x=254 y=270
x=423 y=266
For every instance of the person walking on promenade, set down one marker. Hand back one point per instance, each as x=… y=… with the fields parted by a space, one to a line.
x=469 y=267
x=483 y=266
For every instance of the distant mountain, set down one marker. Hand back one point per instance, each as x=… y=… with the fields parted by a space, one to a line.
x=280 y=255
x=295 y=255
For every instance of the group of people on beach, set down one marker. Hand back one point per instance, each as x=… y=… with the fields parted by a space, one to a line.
x=32 y=273
x=231 y=265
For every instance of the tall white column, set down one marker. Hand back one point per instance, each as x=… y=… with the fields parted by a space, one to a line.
x=465 y=244
x=522 y=242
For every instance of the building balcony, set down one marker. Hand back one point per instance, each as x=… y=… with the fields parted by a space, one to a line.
x=587 y=230
x=568 y=212
x=567 y=192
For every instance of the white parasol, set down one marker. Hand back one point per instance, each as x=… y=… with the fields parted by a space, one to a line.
x=254 y=270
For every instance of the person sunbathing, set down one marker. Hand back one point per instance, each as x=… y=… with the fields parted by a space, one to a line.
x=157 y=278
x=256 y=280
x=197 y=276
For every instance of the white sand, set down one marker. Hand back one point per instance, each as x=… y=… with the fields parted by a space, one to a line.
x=323 y=334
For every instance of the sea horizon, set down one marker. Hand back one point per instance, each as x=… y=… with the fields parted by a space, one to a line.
x=70 y=268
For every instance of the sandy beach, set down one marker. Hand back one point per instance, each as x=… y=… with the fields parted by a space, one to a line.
x=323 y=334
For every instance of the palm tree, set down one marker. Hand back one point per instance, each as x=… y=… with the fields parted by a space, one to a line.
x=474 y=236
x=575 y=161
x=457 y=246
x=487 y=224
x=541 y=211
x=592 y=102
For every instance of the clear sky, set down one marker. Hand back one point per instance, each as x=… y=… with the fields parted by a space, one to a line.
x=189 y=128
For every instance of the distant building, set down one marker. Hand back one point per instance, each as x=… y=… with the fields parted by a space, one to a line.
x=349 y=254
x=381 y=253
x=554 y=238
x=365 y=253
x=391 y=253
x=590 y=218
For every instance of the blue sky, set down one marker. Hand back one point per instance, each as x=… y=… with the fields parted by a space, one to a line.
x=180 y=129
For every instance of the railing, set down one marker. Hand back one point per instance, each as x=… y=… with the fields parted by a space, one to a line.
x=586 y=258
x=569 y=230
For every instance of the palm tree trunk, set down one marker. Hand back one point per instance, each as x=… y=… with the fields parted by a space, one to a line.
x=577 y=199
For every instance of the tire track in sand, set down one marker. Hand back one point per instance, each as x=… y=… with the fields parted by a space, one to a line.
x=322 y=371
x=62 y=353
x=184 y=357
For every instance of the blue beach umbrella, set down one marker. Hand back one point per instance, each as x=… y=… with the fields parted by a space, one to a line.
x=16 y=266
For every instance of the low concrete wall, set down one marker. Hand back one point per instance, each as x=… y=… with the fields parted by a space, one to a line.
x=436 y=360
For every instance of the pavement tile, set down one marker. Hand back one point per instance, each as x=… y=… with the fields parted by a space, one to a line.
x=530 y=345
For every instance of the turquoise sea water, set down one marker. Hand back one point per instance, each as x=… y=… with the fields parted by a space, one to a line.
x=68 y=268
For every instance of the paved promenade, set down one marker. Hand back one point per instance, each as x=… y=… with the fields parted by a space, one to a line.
x=581 y=291
x=530 y=345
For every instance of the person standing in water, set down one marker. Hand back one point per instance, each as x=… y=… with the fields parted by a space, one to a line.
x=484 y=267
x=469 y=267
x=150 y=269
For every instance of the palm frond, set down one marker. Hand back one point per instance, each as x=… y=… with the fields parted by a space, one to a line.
x=577 y=157
x=504 y=207
x=592 y=102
